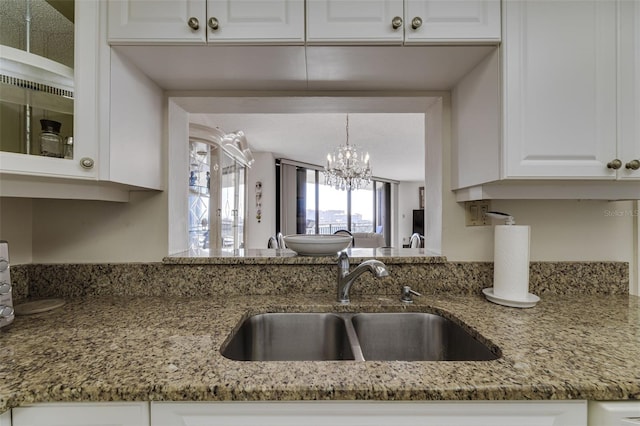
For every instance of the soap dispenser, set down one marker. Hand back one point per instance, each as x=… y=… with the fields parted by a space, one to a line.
x=510 y=264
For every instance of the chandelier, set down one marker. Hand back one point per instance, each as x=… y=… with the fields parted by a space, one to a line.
x=346 y=169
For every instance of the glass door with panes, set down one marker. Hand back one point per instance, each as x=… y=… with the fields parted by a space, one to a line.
x=37 y=77
x=217 y=192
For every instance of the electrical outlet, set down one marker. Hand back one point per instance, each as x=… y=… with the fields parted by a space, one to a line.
x=475 y=212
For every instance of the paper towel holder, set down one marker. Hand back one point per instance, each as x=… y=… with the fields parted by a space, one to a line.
x=509 y=220
x=529 y=300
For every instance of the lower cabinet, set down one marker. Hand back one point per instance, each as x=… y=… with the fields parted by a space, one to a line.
x=614 y=413
x=5 y=419
x=82 y=414
x=370 y=413
x=309 y=413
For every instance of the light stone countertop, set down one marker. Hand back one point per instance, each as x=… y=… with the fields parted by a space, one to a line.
x=161 y=348
x=289 y=257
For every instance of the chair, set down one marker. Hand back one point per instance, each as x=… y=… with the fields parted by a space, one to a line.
x=415 y=241
x=345 y=232
x=281 y=243
x=273 y=243
x=368 y=240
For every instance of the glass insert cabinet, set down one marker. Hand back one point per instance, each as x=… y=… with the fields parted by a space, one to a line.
x=218 y=164
x=37 y=77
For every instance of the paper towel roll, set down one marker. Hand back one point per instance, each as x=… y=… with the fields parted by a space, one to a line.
x=511 y=262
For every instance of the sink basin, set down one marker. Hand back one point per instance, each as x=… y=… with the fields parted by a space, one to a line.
x=290 y=337
x=416 y=336
x=406 y=336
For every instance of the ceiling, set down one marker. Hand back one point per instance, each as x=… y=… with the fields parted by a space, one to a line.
x=395 y=141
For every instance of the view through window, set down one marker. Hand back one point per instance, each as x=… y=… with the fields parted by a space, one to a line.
x=322 y=209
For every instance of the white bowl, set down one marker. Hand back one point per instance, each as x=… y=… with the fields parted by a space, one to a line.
x=317 y=245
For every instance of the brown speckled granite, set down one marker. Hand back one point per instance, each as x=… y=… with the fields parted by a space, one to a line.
x=141 y=349
x=19 y=281
x=110 y=343
x=227 y=279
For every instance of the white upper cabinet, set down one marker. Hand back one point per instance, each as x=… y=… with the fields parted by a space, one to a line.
x=117 y=137
x=398 y=21
x=559 y=70
x=445 y=21
x=355 y=21
x=283 y=21
x=176 y=21
x=37 y=79
x=257 y=21
x=629 y=90
x=559 y=102
x=201 y=21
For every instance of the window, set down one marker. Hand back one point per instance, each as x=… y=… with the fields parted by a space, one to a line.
x=306 y=205
x=333 y=210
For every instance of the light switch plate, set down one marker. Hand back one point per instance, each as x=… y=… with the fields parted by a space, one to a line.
x=475 y=212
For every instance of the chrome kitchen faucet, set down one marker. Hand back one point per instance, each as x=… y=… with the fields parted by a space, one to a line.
x=346 y=278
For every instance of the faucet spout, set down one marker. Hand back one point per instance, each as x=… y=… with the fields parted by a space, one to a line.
x=346 y=278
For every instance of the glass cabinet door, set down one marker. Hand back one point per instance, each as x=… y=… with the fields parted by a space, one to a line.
x=227 y=202
x=217 y=192
x=37 y=77
x=199 y=194
x=232 y=202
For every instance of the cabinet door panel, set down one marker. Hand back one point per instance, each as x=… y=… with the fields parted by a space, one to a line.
x=453 y=21
x=154 y=21
x=629 y=87
x=371 y=413
x=257 y=21
x=353 y=21
x=5 y=418
x=83 y=414
x=86 y=138
x=560 y=89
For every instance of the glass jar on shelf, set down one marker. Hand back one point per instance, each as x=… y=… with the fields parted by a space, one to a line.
x=50 y=139
x=68 y=148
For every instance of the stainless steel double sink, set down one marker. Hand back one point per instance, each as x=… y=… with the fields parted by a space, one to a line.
x=405 y=336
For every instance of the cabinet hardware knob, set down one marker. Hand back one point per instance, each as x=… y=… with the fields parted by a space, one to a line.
x=193 y=22
x=416 y=22
x=86 y=163
x=213 y=23
x=614 y=164
x=5 y=311
x=632 y=165
x=396 y=22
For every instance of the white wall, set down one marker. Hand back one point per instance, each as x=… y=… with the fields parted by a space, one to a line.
x=407 y=202
x=263 y=170
x=69 y=231
x=16 y=219
x=560 y=230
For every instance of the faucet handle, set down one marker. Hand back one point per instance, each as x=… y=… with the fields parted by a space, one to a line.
x=407 y=294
